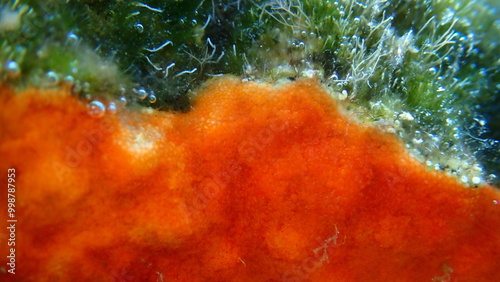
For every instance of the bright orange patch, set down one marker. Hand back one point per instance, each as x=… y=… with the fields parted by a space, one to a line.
x=254 y=184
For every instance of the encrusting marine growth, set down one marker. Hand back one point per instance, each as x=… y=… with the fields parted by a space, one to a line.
x=256 y=183
x=427 y=70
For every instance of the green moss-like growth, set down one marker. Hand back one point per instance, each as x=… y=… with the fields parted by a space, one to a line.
x=49 y=53
x=422 y=69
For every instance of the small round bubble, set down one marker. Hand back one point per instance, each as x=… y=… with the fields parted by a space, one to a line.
x=52 y=78
x=72 y=39
x=96 y=109
x=142 y=94
x=139 y=28
x=152 y=98
x=122 y=100
x=69 y=79
x=112 y=108
x=12 y=69
x=86 y=87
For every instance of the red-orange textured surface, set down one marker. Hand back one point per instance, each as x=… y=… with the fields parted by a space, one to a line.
x=256 y=183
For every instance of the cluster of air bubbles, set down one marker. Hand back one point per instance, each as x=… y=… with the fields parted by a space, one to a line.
x=12 y=69
x=142 y=94
x=97 y=109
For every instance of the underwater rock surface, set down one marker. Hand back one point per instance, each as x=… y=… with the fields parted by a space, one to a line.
x=255 y=183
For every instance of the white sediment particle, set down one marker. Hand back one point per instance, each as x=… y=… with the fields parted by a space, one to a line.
x=406 y=116
x=343 y=95
x=139 y=142
x=476 y=180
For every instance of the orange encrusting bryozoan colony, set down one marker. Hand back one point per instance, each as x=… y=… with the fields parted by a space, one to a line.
x=255 y=183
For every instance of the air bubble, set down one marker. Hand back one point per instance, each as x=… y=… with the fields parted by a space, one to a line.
x=142 y=94
x=123 y=100
x=112 y=108
x=152 y=98
x=12 y=69
x=69 y=79
x=52 y=78
x=72 y=39
x=139 y=28
x=96 y=109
